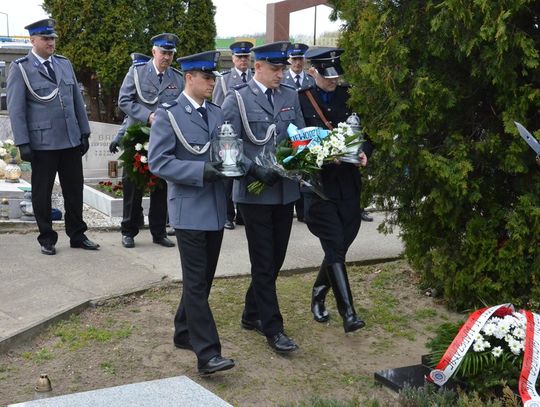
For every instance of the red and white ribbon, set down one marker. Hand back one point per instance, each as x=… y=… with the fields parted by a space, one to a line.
x=531 y=362
x=461 y=344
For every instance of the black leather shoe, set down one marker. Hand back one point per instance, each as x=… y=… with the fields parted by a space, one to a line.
x=48 y=249
x=128 y=242
x=365 y=217
x=171 y=232
x=229 y=225
x=163 y=241
x=239 y=221
x=216 y=364
x=281 y=343
x=255 y=325
x=85 y=244
x=183 y=345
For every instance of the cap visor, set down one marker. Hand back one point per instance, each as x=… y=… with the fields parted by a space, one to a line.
x=330 y=72
x=166 y=49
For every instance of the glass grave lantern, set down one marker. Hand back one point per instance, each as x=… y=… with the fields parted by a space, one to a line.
x=228 y=149
x=351 y=156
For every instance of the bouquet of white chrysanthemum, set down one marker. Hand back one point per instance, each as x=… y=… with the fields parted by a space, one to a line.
x=499 y=335
x=302 y=155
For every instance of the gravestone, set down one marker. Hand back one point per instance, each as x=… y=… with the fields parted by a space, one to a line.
x=14 y=192
x=172 y=392
x=96 y=160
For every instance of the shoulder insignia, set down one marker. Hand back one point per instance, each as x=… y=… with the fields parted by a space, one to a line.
x=226 y=72
x=213 y=104
x=168 y=105
x=177 y=71
x=19 y=60
x=240 y=86
x=139 y=63
x=288 y=86
x=60 y=56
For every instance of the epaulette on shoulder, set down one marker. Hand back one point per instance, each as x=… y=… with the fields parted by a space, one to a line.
x=240 y=86
x=139 y=63
x=213 y=104
x=288 y=86
x=22 y=59
x=60 y=56
x=168 y=105
x=226 y=72
x=177 y=71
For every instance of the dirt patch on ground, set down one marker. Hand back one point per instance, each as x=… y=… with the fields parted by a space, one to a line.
x=129 y=340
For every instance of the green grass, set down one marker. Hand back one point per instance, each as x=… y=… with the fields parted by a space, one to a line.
x=39 y=357
x=108 y=367
x=75 y=335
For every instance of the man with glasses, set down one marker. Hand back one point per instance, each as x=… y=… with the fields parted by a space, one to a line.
x=51 y=129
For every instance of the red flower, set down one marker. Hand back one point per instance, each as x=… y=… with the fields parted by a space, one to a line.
x=503 y=311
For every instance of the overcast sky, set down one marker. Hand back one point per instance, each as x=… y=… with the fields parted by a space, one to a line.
x=233 y=17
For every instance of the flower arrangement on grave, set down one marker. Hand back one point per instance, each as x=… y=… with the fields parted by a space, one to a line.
x=115 y=189
x=302 y=155
x=8 y=150
x=495 y=347
x=135 y=158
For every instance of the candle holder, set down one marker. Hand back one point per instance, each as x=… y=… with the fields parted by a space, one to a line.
x=351 y=156
x=228 y=149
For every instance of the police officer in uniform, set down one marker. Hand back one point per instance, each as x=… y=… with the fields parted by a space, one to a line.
x=179 y=152
x=51 y=129
x=240 y=73
x=295 y=76
x=146 y=85
x=137 y=58
x=335 y=221
x=260 y=112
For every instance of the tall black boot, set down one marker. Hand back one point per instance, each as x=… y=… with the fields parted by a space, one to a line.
x=337 y=275
x=320 y=288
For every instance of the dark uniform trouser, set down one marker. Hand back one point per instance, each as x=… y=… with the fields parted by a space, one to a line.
x=268 y=228
x=132 y=211
x=228 y=183
x=199 y=253
x=334 y=222
x=68 y=164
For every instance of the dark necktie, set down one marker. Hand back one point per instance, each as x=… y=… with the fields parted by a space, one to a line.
x=204 y=114
x=160 y=76
x=297 y=81
x=50 y=70
x=269 y=96
x=244 y=77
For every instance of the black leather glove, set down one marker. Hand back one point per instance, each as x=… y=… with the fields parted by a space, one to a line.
x=211 y=172
x=85 y=144
x=113 y=147
x=26 y=152
x=266 y=175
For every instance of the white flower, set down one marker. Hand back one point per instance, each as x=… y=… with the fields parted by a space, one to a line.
x=489 y=329
x=138 y=146
x=315 y=149
x=3 y=151
x=319 y=161
x=478 y=337
x=478 y=346
x=497 y=351
x=145 y=146
x=9 y=142
x=515 y=346
x=144 y=160
x=505 y=325
x=519 y=333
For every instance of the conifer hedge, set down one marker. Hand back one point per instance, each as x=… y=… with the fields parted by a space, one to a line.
x=439 y=85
